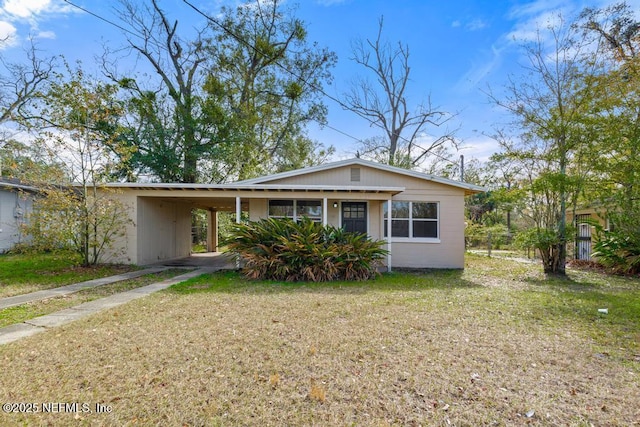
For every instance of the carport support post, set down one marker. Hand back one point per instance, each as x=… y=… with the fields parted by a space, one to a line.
x=389 y=235
x=324 y=212
x=212 y=231
x=238 y=210
x=238 y=220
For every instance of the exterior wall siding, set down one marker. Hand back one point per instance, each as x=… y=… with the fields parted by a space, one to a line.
x=258 y=209
x=448 y=252
x=164 y=230
x=368 y=177
x=15 y=208
x=126 y=248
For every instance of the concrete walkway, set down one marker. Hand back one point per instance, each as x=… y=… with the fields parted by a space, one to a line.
x=69 y=289
x=40 y=324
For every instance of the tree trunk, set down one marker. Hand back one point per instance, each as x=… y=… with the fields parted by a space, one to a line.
x=190 y=167
x=553 y=259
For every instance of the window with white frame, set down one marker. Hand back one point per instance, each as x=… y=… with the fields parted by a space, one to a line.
x=296 y=209
x=413 y=220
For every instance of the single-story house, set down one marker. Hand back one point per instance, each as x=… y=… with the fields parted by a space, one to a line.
x=426 y=227
x=16 y=202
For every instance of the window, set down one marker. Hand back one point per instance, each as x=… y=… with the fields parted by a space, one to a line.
x=354 y=210
x=309 y=208
x=412 y=220
x=281 y=208
x=296 y=209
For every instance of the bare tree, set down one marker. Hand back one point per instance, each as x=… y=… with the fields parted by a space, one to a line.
x=383 y=103
x=20 y=82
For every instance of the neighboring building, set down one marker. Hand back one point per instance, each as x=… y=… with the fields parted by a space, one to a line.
x=584 y=221
x=427 y=212
x=16 y=202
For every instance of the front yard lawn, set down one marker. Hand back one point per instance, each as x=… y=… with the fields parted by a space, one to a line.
x=20 y=313
x=496 y=344
x=25 y=273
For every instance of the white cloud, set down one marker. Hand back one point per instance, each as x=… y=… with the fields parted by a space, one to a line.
x=481 y=148
x=476 y=24
x=535 y=28
x=21 y=19
x=472 y=78
x=7 y=35
x=535 y=8
x=473 y=25
x=528 y=22
x=46 y=35
x=26 y=8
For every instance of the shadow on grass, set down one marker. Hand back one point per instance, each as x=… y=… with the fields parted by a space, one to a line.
x=234 y=282
x=581 y=281
x=581 y=298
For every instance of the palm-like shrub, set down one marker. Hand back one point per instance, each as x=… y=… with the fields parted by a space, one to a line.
x=281 y=249
x=619 y=253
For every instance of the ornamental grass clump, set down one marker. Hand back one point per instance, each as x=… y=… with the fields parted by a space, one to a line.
x=282 y=249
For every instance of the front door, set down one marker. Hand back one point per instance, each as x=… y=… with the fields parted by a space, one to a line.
x=354 y=216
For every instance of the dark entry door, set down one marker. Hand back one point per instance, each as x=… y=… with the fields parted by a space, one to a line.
x=354 y=216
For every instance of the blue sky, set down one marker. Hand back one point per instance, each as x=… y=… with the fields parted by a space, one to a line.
x=457 y=49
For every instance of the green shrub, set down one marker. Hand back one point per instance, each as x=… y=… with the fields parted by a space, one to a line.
x=617 y=252
x=477 y=235
x=281 y=249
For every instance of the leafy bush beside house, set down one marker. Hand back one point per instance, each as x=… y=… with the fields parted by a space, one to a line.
x=618 y=249
x=281 y=249
x=477 y=236
x=619 y=253
x=88 y=222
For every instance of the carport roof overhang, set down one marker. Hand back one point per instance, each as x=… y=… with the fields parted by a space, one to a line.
x=256 y=190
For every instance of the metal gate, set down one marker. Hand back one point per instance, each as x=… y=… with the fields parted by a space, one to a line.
x=583 y=237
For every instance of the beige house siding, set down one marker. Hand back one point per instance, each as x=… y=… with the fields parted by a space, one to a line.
x=127 y=247
x=258 y=209
x=447 y=251
x=376 y=223
x=368 y=177
x=595 y=215
x=164 y=230
x=159 y=229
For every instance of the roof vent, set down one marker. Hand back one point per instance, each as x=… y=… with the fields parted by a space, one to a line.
x=355 y=174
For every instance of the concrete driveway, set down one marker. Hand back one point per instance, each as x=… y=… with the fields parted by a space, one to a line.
x=218 y=260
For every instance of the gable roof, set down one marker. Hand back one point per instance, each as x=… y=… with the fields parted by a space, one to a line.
x=468 y=188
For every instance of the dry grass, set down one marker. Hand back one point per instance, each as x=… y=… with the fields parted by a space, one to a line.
x=20 y=313
x=437 y=349
x=25 y=273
